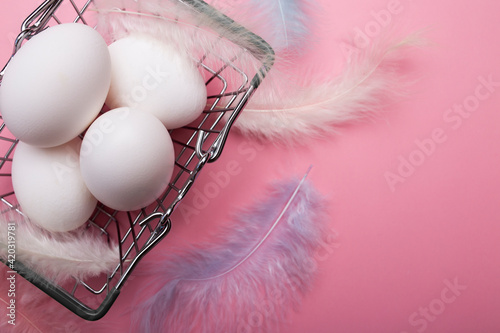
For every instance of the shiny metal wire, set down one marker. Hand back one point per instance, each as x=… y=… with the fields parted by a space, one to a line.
x=138 y=232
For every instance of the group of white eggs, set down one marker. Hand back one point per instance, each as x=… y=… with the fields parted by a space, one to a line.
x=54 y=89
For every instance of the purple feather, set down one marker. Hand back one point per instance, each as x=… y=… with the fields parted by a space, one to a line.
x=251 y=278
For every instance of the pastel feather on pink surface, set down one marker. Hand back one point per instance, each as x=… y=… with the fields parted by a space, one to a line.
x=262 y=263
x=284 y=24
x=288 y=109
x=57 y=256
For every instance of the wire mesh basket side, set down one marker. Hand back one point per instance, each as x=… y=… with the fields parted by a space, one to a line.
x=197 y=144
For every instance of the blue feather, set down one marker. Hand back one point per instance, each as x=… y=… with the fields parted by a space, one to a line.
x=288 y=22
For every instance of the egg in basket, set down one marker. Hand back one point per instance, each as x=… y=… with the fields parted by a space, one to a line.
x=109 y=111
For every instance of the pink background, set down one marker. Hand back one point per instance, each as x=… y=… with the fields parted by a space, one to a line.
x=397 y=248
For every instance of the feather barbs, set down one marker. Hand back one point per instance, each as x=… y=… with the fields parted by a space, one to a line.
x=57 y=256
x=259 y=256
x=288 y=113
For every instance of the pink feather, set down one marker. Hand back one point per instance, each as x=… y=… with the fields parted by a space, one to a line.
x=252 y=276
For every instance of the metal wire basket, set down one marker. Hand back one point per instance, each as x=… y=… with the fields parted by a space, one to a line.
x=138 y=232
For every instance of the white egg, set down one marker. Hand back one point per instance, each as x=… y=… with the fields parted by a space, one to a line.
x=150 y=75
x=127 y=158
x=49 y=186
x=55 y=85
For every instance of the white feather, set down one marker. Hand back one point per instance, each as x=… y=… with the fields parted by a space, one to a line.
x=55 y=256
x=362 y=89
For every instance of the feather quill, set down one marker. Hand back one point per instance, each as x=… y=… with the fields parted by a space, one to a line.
x=57 y=256
x=253 y=275
x=282 y=112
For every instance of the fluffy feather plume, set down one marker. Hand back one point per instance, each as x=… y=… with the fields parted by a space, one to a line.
x=290 y=16
x=284 y=24
x=286 y=113
x=56 y=256
x=260 y=267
